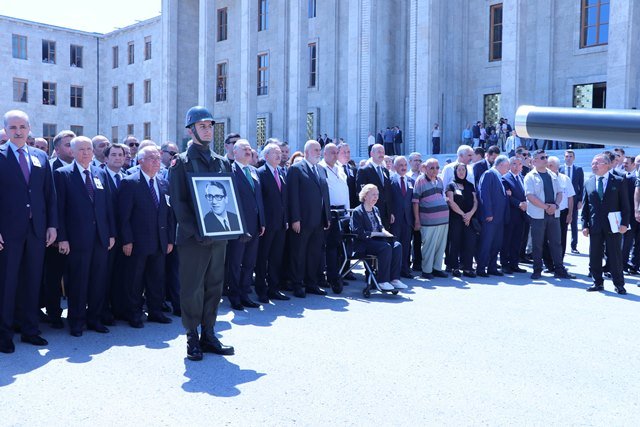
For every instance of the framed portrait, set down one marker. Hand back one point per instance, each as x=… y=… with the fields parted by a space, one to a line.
x=217 y=207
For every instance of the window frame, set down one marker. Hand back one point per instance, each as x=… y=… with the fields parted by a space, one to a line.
x=52 y=89
x=73 y=51
x=114 y=134
x=115 y=60
x=77 y=129
x=263 y=12
x=115 y=93
x=263 y=75
x=51 y=48
x=221 y=96
x=47 y=134
x=19 y=43
x=130 y=129
x=147 y=91
x=313 y=64
x=131 y=53
x=131 y=99
x=492 y=27
x=25 y=90
x=78 y=96
x=313 y=9
x=222 y=26
x=584 y=25
x=147 y=48
x=146 y=130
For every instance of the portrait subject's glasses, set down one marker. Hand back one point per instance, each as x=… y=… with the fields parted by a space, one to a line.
x=216 y=197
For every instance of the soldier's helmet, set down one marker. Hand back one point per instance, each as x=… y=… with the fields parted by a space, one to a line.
x=197 y=114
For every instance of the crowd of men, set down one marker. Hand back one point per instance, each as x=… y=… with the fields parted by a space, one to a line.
x=117 y=228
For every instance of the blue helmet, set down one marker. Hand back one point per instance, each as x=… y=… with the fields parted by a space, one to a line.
x=197 y=114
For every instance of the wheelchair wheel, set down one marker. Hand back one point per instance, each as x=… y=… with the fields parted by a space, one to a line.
x=366 y=293
x=394 y=292
x=337 y=286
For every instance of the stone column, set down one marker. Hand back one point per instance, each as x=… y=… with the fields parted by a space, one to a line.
x=247 y=31
x=206 y=54
x=296 y=97
x=512 y=57
x=168 y=122
x=623 y=62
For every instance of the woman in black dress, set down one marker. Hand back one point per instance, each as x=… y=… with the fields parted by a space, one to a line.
x=461 y=196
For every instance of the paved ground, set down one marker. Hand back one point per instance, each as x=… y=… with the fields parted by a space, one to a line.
x=445 y=352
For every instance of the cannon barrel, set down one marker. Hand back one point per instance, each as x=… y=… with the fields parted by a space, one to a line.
x=586 y=125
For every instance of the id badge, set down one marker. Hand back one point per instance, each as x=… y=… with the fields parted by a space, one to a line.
x=35 y=162
x=98 y=183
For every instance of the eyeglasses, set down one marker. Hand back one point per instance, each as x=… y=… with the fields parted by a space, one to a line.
x=433 y=167
x=543 y=157
x=134 y=144
x=525 y=154
x=216 y=197
x=171 y=153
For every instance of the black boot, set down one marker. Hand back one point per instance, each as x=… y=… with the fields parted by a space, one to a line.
x=193 y=346
x=209 y=343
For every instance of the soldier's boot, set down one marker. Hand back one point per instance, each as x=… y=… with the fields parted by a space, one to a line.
x=193 y=346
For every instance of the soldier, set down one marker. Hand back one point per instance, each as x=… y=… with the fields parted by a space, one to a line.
x=201 y=258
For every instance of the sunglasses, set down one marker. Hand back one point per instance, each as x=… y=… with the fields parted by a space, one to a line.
x=217 y=197
x=171 y=153
x=433 y=167
x=543 y=157
x=525 y=154
x=134 y=144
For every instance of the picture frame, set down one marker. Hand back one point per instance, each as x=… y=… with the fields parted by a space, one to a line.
x=217 y=207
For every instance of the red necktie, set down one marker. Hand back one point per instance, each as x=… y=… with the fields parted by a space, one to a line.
x=402 y=186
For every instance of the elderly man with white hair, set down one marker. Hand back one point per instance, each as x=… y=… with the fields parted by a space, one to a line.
x=465 y=154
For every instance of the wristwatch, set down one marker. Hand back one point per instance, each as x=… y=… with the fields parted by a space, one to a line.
x=557 y=206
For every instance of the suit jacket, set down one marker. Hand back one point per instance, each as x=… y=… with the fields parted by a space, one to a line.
x=249 y=199
x=517 y=196
x=141 y=223
x=80 y=217
x=493 y=201
x=195 y=159
x=577 y=179
x=275 y=200
x=308 y=196
x=351 y=172
x=402 y=205
x=615 y=199
x=368 y=175
x=478 y=169
x=18 y=198
x=213 y=224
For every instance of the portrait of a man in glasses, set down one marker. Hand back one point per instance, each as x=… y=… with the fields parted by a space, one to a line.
x=218 y=219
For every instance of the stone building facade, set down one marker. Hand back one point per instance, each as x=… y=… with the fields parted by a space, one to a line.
x=294 y=69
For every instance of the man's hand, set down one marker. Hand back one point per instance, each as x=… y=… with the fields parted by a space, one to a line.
x=295 y=226
x=169 y=248
x=637 y=216
x=392 y=220
x=127 y=249
x=1 y=243
x=569 y=218
x=112 y=241
x=523 y=206
x=489 y=218
x=261 y=231
x=416 y=226
x=623 y=229
x=52 y=233
x=551 y=210
x=63 y=248
x=585 y=232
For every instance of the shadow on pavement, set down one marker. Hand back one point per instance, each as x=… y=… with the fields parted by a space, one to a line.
x=217 y=376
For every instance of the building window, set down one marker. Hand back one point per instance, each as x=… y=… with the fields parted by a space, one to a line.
x=595 y=23
x=147 y=91
x=147 y=130
x=261 y=131
x=310 y=124
x=49 y=131
x=218 y=138
x=75 y=56
x=19 y=46
x=222 y=24
x=495 y=33
x=114 y=134
x=48 y=52
x=313 y=64
x=114 y=56
x=262 y=15
x=78 y=130
x=131 y=52
x=114 y=97
x=147 y=48
x=593 y=95
x=221 y=82
x=130 y=129
x=492 y=109
x=48 y=93
x=312 y=8
x=20 y=90
x=263 y=74
x=76 y=96
x=130 y=98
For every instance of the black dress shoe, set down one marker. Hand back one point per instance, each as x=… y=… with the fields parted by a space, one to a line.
x=407 y=275
x=574 y=251
x=536 y=275
x=495 y=273
x=99 y=328
x=158 y=318
x=564 y=275
x=108 y=321
x=518 y=270
x=247 y=302
x=75 y=333
x=526 y=260
x=166 y=308
x=506 y=270
x=277 y=295
x=350 y=276
x=177 y=312
x=7 y=347
x=213 y=345
x=57 y=323
x=316 y=290
x=299 y=293
x=621 y=290
x=194 y=352
x=428 y=276
x=263 y=299
x=42 y=317
x=237 y=306
x=136 y=323
x=482 y=274
x=33 y=340
x=456 y=273
x=469 y=273
x=595 y=288
x=438 y=273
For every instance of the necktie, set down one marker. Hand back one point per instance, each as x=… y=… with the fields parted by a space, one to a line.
x=118 y=180
x=88 y=184
x=402 y=186
x=276 y=175
x=601 y=187
x=154 y=195
x=24 y=166
x=226 y=225
x=380 y=174
x=346 y=170
x=247 y=173
x=569 y=171
x=315 y=171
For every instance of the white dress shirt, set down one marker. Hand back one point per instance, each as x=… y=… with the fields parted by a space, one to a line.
x=338 y=188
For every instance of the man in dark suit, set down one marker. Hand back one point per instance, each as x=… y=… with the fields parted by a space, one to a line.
x=344 y=157
x=219 y=219
x=397 y=140
x=576 y=174
x=271 y=246
x=632 y=237
x=55 y=264
x=514 y=230
x=28 y=221
x=309 y=217
x=402 y=208
x=494 y=215
x=604 y=193
x=242 y=252
x=147 y=232
x=133 y=144
x=87 y=232
x=481 y=167
x=376 y=173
